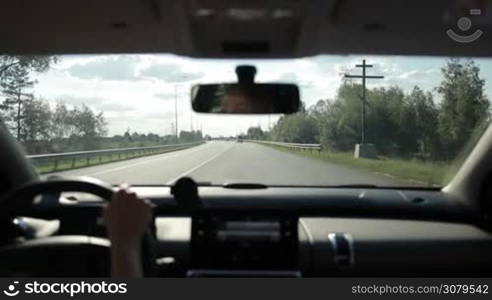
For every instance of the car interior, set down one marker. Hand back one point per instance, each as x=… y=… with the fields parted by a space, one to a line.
x=246 y=229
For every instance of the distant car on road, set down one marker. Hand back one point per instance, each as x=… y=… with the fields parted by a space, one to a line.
x=239 y=139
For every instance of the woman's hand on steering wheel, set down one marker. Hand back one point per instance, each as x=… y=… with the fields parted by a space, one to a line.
x=127 y=217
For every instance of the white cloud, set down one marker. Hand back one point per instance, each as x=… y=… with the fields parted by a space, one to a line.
x=120 y=67
x=171 y=73
x=137 y=91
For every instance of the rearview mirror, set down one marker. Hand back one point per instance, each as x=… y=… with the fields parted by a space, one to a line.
x=245 y=98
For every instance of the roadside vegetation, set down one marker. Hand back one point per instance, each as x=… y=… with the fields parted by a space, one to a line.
x=415 y=171
x=43 y=128
x=417 y=134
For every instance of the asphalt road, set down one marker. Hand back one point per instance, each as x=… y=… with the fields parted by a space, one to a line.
x=231 y=162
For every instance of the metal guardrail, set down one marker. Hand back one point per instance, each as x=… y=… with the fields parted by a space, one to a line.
x=120 y=152
x=292 y=146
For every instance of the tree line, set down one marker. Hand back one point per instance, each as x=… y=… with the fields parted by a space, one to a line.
x=409 y=125
x=47 y=129
x=43 y=128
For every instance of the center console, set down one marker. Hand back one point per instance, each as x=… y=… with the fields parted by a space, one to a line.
x=244 y=246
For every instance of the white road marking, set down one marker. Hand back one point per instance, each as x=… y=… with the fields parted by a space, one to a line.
x=162 y=156
x=199 y=166
x=143 y=162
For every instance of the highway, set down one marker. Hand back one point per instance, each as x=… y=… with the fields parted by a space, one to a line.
x=219 y=162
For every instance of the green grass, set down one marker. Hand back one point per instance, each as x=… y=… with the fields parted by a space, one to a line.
x=421 y=173
x=70 y=164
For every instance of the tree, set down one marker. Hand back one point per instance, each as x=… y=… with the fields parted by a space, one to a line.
x=388 y=122
x=190 y=136
x=78 y=128
x=255 y=133
x=297 y=128
x=37 y=122
x=14 y=81
x=423 y=121
x=36 y=129
x=62 y=123
x=339 y=120
x=335 y=129
x=15 y=89
x=26 y=62
x=101 y=125
x=398 y=124
x=345 y=115
x=127 y=136
x=464 y=104
x=88 y=126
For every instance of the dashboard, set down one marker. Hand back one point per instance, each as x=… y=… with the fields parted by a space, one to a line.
x=335 y=247
x=286 y=232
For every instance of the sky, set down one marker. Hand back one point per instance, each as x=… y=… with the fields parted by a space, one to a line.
x=137 y=92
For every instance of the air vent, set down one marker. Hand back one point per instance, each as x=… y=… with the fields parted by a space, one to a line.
x=418 y=200
x=245 y=47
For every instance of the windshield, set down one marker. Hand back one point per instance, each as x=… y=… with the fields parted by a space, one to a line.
x=128 y=118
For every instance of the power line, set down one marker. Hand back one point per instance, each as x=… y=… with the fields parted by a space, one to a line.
x=364 y=102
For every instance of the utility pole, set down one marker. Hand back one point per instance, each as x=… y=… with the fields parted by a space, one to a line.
x=364 y=77
x=191 y=114
x=191 y=118
x=176 y=108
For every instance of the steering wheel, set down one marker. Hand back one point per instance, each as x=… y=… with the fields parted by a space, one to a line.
x=21 y=200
